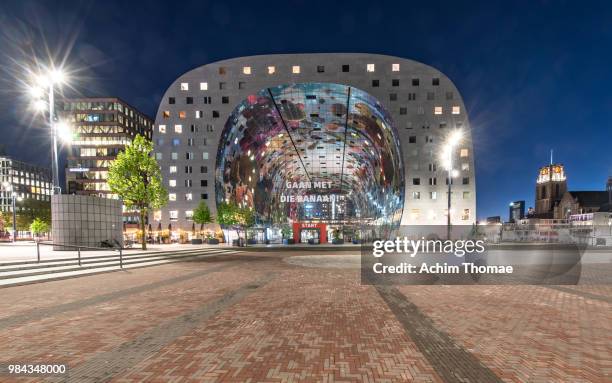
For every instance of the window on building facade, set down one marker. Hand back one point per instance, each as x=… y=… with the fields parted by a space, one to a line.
x=222 y=70
x=222 y=86
x=271 y=70
x=416 y=195
x=375 y=83
x=241 y=84
x=435 y=81
x=203 y=86
x=178 y=128
x=188 y=183
x=158 y=156
x=189 y=156
x=395 y=82
x=205 y=155
x=295 y=69
x=171 y=100
x=466 y=195
x=415 y=82
x=172 y=196
x=392 y=96
x=320 y=69
x=198 y=114
x=246 y=70
x=465 y=166
x=162 y=129
x=465 y=214
x=412 y=139
x=193 y=128
x=403 y=110
x=166 y=114
x=395 y=67
x=411 y=96
x=188 y=169
x=173 y=214
x=184 y=86
x=189 y=100
x=466 y=180
x=433 y=195
x=176 y=142
x=416 y=181
x=437 y=110
x=433 y=181
x=225 y=100
x=188 y=196
x=203 y=169
x=172 y=183
x=182 y=114
x=345 y=68
x=456 y=110
x=204 y=196
x=203 y=183
x=463 y=152
x=370 y=67
x=215 y=114
x=174 y=155
x=207 y=100
x=172 y=169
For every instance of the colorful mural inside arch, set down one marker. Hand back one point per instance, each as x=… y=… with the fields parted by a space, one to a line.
x=313 y=151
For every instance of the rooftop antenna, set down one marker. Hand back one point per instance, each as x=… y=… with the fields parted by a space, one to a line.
x=551 y=156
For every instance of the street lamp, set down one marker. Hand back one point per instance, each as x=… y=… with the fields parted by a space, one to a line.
x=9 y=188
x=41 y=84
x=447 y=158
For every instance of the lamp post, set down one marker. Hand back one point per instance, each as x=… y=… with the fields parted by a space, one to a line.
x=447 y=155
x=46 y=82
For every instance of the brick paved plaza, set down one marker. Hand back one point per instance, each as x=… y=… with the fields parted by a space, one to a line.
x=273 y=317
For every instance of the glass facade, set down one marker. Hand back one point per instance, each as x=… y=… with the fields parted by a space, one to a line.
x=312 y=151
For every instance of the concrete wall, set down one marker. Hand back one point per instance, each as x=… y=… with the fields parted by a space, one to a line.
x=85 y=220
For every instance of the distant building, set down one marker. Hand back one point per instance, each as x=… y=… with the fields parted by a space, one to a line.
x=516 y=211
x=550 y=187
x=102 y=127
x=30 y=182
x=582 y=202
x=494 y=219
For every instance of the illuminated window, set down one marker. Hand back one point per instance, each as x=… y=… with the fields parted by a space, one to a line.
x=395 y=67
x=246 y=70
x=172 y=196
x=416 y=195
x=433 y=195
x=222 y=70
x=370 y=67
x=173 y=214
x=178 y=128
x=437 y=110
x=203 y=86
x=456 y=110
x=166 y=114
x=205 y=155
x=295 y=69
x=271 y=69
x=198 y=114
x=184 y=86
x=188 y=197
x=466 y=195
x=182 y=114
x=463 y=153
x=157 y=215
x=465 y=214
x=174 y=155
x=172 y=183
x=465 y=166
x=189 y=214
x=158 y=156
x=162 y=129
x=172 y=169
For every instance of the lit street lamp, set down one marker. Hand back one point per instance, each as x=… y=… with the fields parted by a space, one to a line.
x=447 y=158
x=46 y=83
x=9 y=188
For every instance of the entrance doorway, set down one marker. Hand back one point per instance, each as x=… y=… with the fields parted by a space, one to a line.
x=311 y=235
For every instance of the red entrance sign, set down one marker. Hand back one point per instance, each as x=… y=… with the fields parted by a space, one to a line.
x=298 y=226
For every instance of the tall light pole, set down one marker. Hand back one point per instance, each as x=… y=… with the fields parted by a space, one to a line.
x=447 y=155
x=46 y=82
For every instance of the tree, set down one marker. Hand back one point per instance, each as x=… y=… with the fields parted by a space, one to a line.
x=135 y=177
x=230 y=215
x=201 y=215
x=38 y=226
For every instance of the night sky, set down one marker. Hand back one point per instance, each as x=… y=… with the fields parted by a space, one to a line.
x=534 y=76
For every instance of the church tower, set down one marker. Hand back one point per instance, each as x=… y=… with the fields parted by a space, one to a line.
x=550 y=187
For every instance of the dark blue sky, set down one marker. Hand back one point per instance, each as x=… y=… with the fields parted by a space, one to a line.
x=533 y=75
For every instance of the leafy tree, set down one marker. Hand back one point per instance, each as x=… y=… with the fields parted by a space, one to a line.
x=38 y=226
x=136 y=178
x=201 y=215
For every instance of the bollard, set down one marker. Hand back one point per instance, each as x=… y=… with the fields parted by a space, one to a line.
x=120 y=258
x=37 y=252
x=79 y=252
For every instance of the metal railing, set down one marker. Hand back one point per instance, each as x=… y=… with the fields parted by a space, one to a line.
x=78 y=250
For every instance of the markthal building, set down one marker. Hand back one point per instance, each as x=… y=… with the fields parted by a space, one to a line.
x=314 y=144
